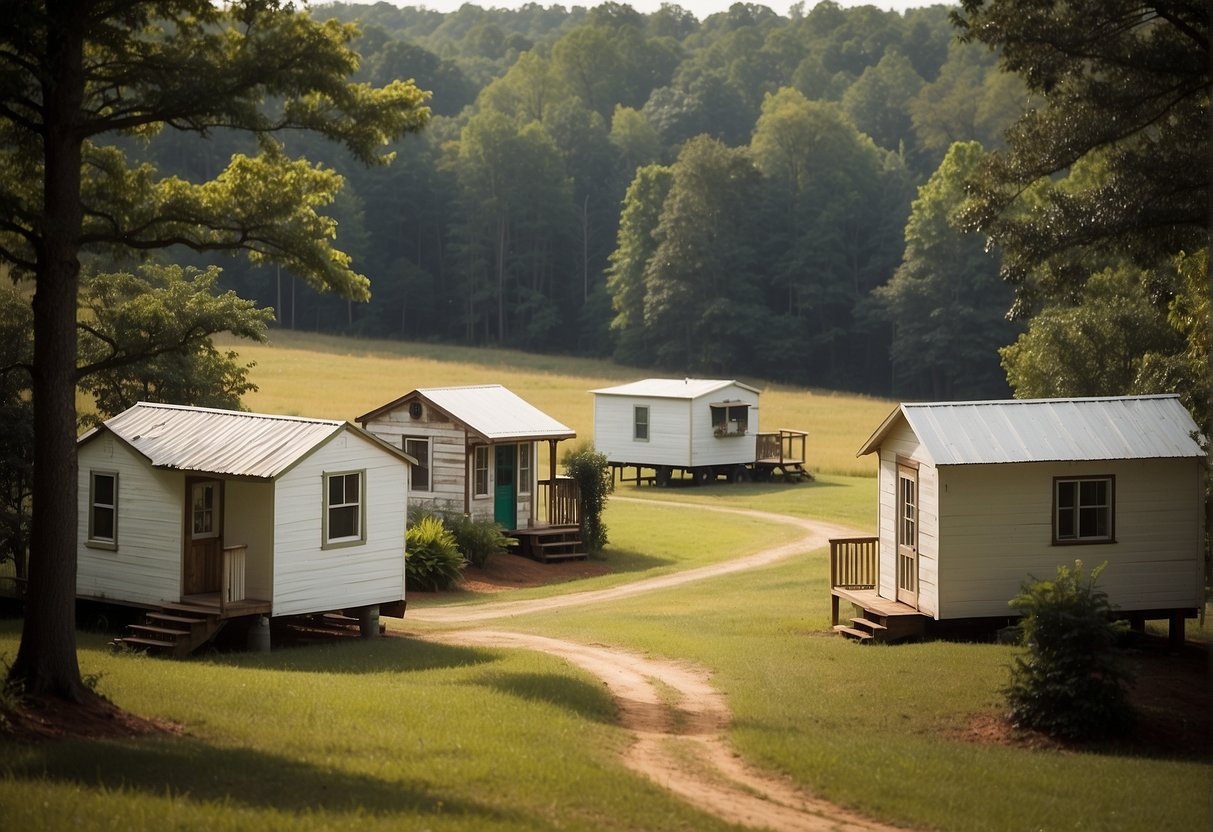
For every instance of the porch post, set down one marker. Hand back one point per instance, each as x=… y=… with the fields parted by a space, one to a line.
x=552 y=478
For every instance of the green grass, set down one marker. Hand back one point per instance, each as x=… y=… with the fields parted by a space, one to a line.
x=341 y=378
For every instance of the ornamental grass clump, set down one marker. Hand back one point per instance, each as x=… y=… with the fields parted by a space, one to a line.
x=1069 y=684
x=478 y=540
x=432 y=561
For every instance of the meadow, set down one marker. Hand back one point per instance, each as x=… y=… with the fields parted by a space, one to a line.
x=401 y=732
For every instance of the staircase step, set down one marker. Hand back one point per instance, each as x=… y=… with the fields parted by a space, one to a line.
x=852 y=633
x=153 y=631
x=140 y=641
x=867 y=624
x=170 y=618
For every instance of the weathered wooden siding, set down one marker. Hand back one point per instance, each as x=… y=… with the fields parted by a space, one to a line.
x=902 y=443
x=680 y=430
x=146 y=566
x=996 y=527
x=248 y=518
x=309 y=578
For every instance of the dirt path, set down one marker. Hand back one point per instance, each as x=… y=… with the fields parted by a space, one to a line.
x=679 y=721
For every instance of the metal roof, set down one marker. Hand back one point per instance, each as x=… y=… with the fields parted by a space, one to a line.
x=1048 y=430
x=224 y=442
x=671 y=388
x=489 y=410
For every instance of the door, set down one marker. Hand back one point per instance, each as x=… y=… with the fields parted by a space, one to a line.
x=203 y=543
x=505 y=494
x=907 y=535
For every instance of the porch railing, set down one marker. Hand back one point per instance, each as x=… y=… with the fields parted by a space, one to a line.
x=852 y=566
x=231 y=588
x=558 y=502
x=782 y=446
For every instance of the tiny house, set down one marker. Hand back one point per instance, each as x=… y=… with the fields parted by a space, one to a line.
x=975 y=498
x=236 y=514
x=477 y=451
x=705 y=428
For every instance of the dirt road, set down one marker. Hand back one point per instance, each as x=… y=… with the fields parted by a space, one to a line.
x=679 y=741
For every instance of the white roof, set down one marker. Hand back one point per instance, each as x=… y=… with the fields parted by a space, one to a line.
x=222 y=442
x=490 y=410
x=672 y=388
x=1048 y=430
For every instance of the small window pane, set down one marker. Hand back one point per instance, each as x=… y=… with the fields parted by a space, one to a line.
x=343 y=522
x=103 y=523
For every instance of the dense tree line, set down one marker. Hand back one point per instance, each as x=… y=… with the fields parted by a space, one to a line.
x=792 y=145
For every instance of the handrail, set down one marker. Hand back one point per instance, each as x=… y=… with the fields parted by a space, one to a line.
x=853 y=562
x=559 y=502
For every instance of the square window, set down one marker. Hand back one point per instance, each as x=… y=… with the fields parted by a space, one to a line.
x=1083 y=510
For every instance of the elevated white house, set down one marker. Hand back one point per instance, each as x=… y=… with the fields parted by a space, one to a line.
x=240 y=513
x=477 y=452
x=977 y=497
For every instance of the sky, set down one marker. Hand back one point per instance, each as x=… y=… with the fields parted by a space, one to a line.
x=700 y=8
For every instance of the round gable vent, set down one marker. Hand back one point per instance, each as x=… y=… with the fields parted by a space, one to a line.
x=415 y=410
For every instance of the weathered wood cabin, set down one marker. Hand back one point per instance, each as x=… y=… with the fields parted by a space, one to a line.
x=205 y=515
x=477 y=450
x=703 y=428
x=978 y=497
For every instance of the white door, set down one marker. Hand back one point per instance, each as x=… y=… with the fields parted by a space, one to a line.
x=907 y=535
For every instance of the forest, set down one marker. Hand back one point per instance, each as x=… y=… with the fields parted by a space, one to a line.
x=730 y=196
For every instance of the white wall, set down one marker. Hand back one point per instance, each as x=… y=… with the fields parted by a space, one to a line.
x=996 y=527
x=309 y=578
x=146 y=566
x=248 y=518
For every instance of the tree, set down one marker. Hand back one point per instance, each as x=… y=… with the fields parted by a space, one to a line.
x=1125 y=79
x=625 y=274
x=73 y=72
x=945 y=301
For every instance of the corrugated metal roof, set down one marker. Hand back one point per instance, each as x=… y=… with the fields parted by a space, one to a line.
x=1048 y=430
x=225 y=442
x=496 y=413
x=671 y=388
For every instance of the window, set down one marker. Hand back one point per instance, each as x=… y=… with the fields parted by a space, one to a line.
x=1083 y=510
x=730 y=419
x=524 y=468
x=419 y=449
x=640 y=423
x=202 y=511
x=480 y=471
x=103 y=510
x=344 y=515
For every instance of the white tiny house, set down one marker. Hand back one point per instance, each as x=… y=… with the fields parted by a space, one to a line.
x=242 y=513
x=977 y=497
x=477 y=449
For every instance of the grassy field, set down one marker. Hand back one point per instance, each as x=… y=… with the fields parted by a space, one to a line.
x=341 y=378
x=400 y=733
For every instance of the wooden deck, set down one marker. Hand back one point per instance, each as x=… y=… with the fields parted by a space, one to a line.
x=876 y=618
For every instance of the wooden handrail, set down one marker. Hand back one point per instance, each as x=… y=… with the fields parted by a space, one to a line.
x=564 y=499
x=853 y=562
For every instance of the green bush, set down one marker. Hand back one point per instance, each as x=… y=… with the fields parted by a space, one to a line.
x=1069 y=684
x=432 y=560
x=594 y=482
x=478 y=539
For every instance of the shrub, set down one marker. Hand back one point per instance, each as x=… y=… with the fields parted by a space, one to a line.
x=1069 y=683
x=594 y=482
x=432 y=560
x=478 y=539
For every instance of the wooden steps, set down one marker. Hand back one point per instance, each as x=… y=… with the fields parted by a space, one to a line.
x=550 y=544
x=876 y=619
x=174 y=630
x=862 y=630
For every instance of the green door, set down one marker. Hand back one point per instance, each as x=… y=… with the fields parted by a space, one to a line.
x=505 y=496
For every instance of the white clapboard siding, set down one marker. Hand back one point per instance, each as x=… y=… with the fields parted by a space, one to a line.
x=146 y=565
x=902 y=445
x=309 y=578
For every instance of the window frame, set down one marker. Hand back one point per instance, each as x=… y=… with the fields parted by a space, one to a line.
x=93 y=541
x=524 y=467
x=480 y=470
x=725 y=414
x=637 y=410
x=358 y=539
x=1079 y=539
x=427 y=467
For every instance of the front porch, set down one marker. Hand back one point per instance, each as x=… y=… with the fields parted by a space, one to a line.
x=783 y=452
x=853 y=580
x=555 y=534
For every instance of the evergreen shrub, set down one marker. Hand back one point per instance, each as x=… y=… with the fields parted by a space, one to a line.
x=589 y=469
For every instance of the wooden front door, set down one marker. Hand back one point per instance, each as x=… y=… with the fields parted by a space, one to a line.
x=203 y=541
x=907 y=535
x=505 y=494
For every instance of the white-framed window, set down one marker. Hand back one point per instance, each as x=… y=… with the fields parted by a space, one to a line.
x=1084 y=509
x=103 y=510
x=640 y=423
x=204 y=503
x=418 y=447
x=480 y=471
x=524 y=468
x=730 y=418
x=344 y=508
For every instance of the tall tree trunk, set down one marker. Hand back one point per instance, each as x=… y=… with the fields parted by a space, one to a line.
x=46 y=660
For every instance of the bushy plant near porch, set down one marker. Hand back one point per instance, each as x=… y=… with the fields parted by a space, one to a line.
x=432 y=560
x=1069 y=683
x=478 y=540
